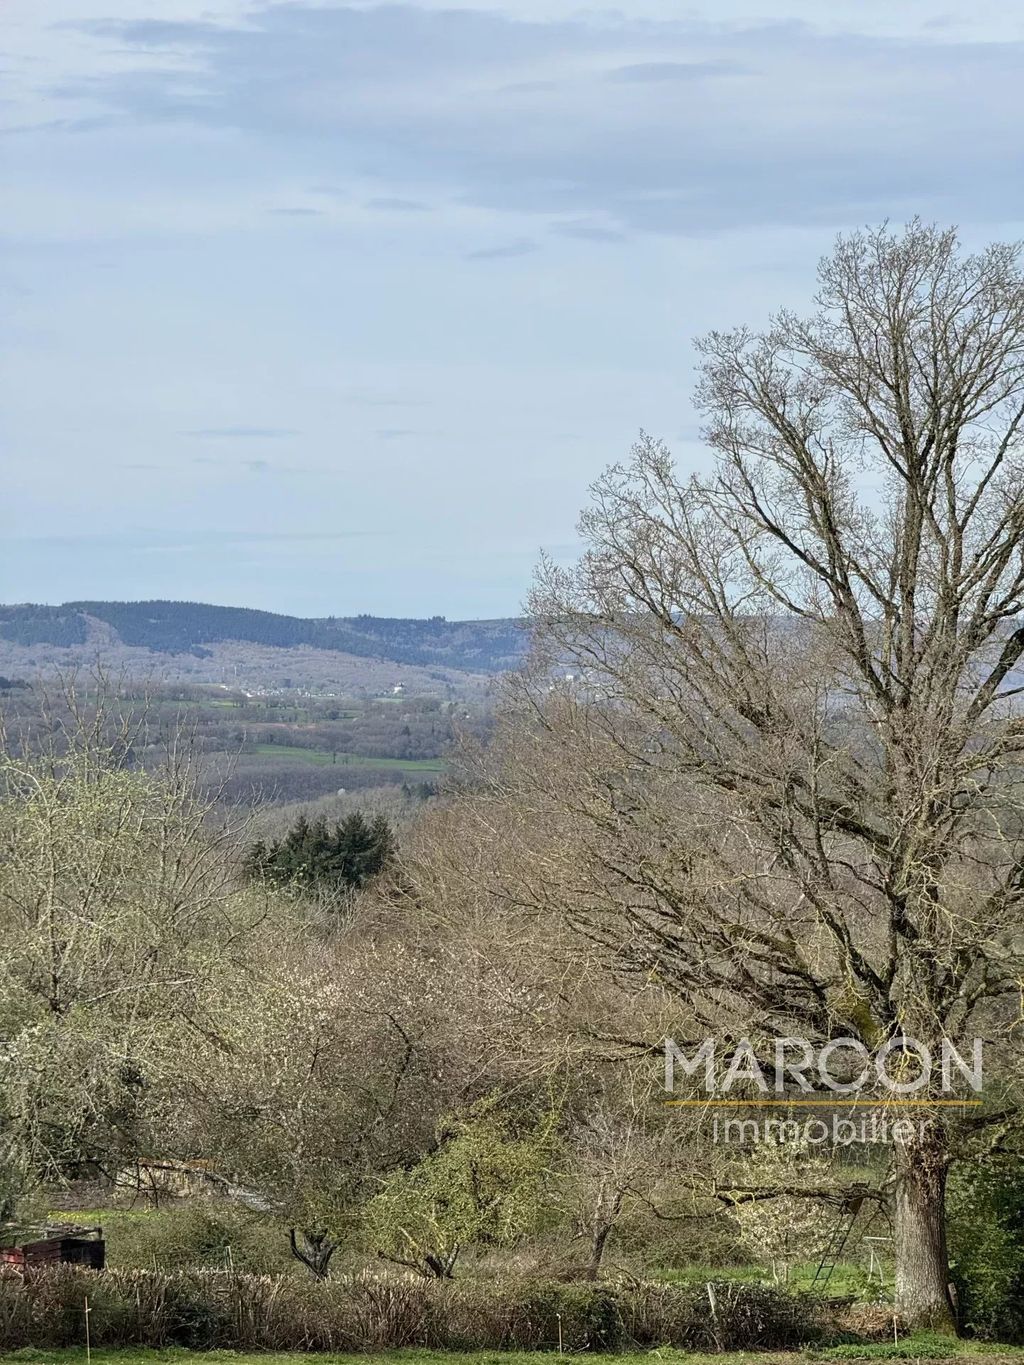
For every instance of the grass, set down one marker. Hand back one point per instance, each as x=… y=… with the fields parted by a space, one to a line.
x=923 y=1346
x=178 y=1355
x=322 y=757
x=700 y=1274
x=918 y=1346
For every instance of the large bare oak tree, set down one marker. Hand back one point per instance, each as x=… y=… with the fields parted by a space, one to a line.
x=775 y=708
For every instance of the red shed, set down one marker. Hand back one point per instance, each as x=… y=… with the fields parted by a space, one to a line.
x=24 y=1248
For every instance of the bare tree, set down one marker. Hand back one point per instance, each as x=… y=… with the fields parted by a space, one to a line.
x=785 y=763
x=119 y=910
x=622 y=1162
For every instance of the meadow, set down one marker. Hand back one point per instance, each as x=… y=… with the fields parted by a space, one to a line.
x=295 y=753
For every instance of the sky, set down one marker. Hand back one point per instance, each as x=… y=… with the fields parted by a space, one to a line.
x=331 y=308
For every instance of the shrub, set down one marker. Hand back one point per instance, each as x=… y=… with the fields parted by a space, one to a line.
x=210 y=1310
x=725 y=1315
x=524 y=1315
x=480 y=1186
x=194 y=1235
x=986 y=1235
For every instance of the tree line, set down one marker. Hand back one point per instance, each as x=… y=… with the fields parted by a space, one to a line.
x=188 y=627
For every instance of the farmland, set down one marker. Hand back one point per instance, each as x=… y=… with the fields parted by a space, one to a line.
x=284 y=745
x=294 y=753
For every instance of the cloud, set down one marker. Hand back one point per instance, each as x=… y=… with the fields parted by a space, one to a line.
x=389 y=204
x=298 y=213
x=679 y=126
x=820 y=127
x=56 y=125
x=523 y=247
x=157 y=539
x=242 y=433
x=384 y=400
x=253 y=466
x=153 y=34
x=528 y=88
x=396 y=433
x=646 y=73
x=589 y=232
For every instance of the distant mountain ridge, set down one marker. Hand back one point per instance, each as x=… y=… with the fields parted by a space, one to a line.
x=188 y=627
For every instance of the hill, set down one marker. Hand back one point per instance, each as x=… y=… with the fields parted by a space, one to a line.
x=171 y=628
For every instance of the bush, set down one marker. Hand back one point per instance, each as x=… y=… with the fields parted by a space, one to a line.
x=725 y=1315
x=194 y=1235
x=524 y=1315
x=208 y=1310
x=986 y=1236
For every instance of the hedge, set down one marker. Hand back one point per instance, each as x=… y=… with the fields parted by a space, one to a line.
x=207 y=1310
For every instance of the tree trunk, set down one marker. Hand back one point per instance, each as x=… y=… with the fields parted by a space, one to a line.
x=922 y=1262
x=606 y=1215
x=597 y=1245
x=315 y=1252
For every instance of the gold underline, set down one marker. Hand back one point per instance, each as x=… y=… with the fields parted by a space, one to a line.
x=823 y=1102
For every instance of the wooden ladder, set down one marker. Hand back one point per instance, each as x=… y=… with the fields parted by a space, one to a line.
x=837 y=1241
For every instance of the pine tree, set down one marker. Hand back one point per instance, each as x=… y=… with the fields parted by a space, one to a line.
x=315 y=856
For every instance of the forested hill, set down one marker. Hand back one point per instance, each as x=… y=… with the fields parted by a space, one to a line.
x=186 y=627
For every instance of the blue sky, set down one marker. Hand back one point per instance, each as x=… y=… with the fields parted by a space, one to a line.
x=330 y=308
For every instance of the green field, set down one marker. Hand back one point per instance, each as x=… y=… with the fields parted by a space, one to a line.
x=294 y=752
